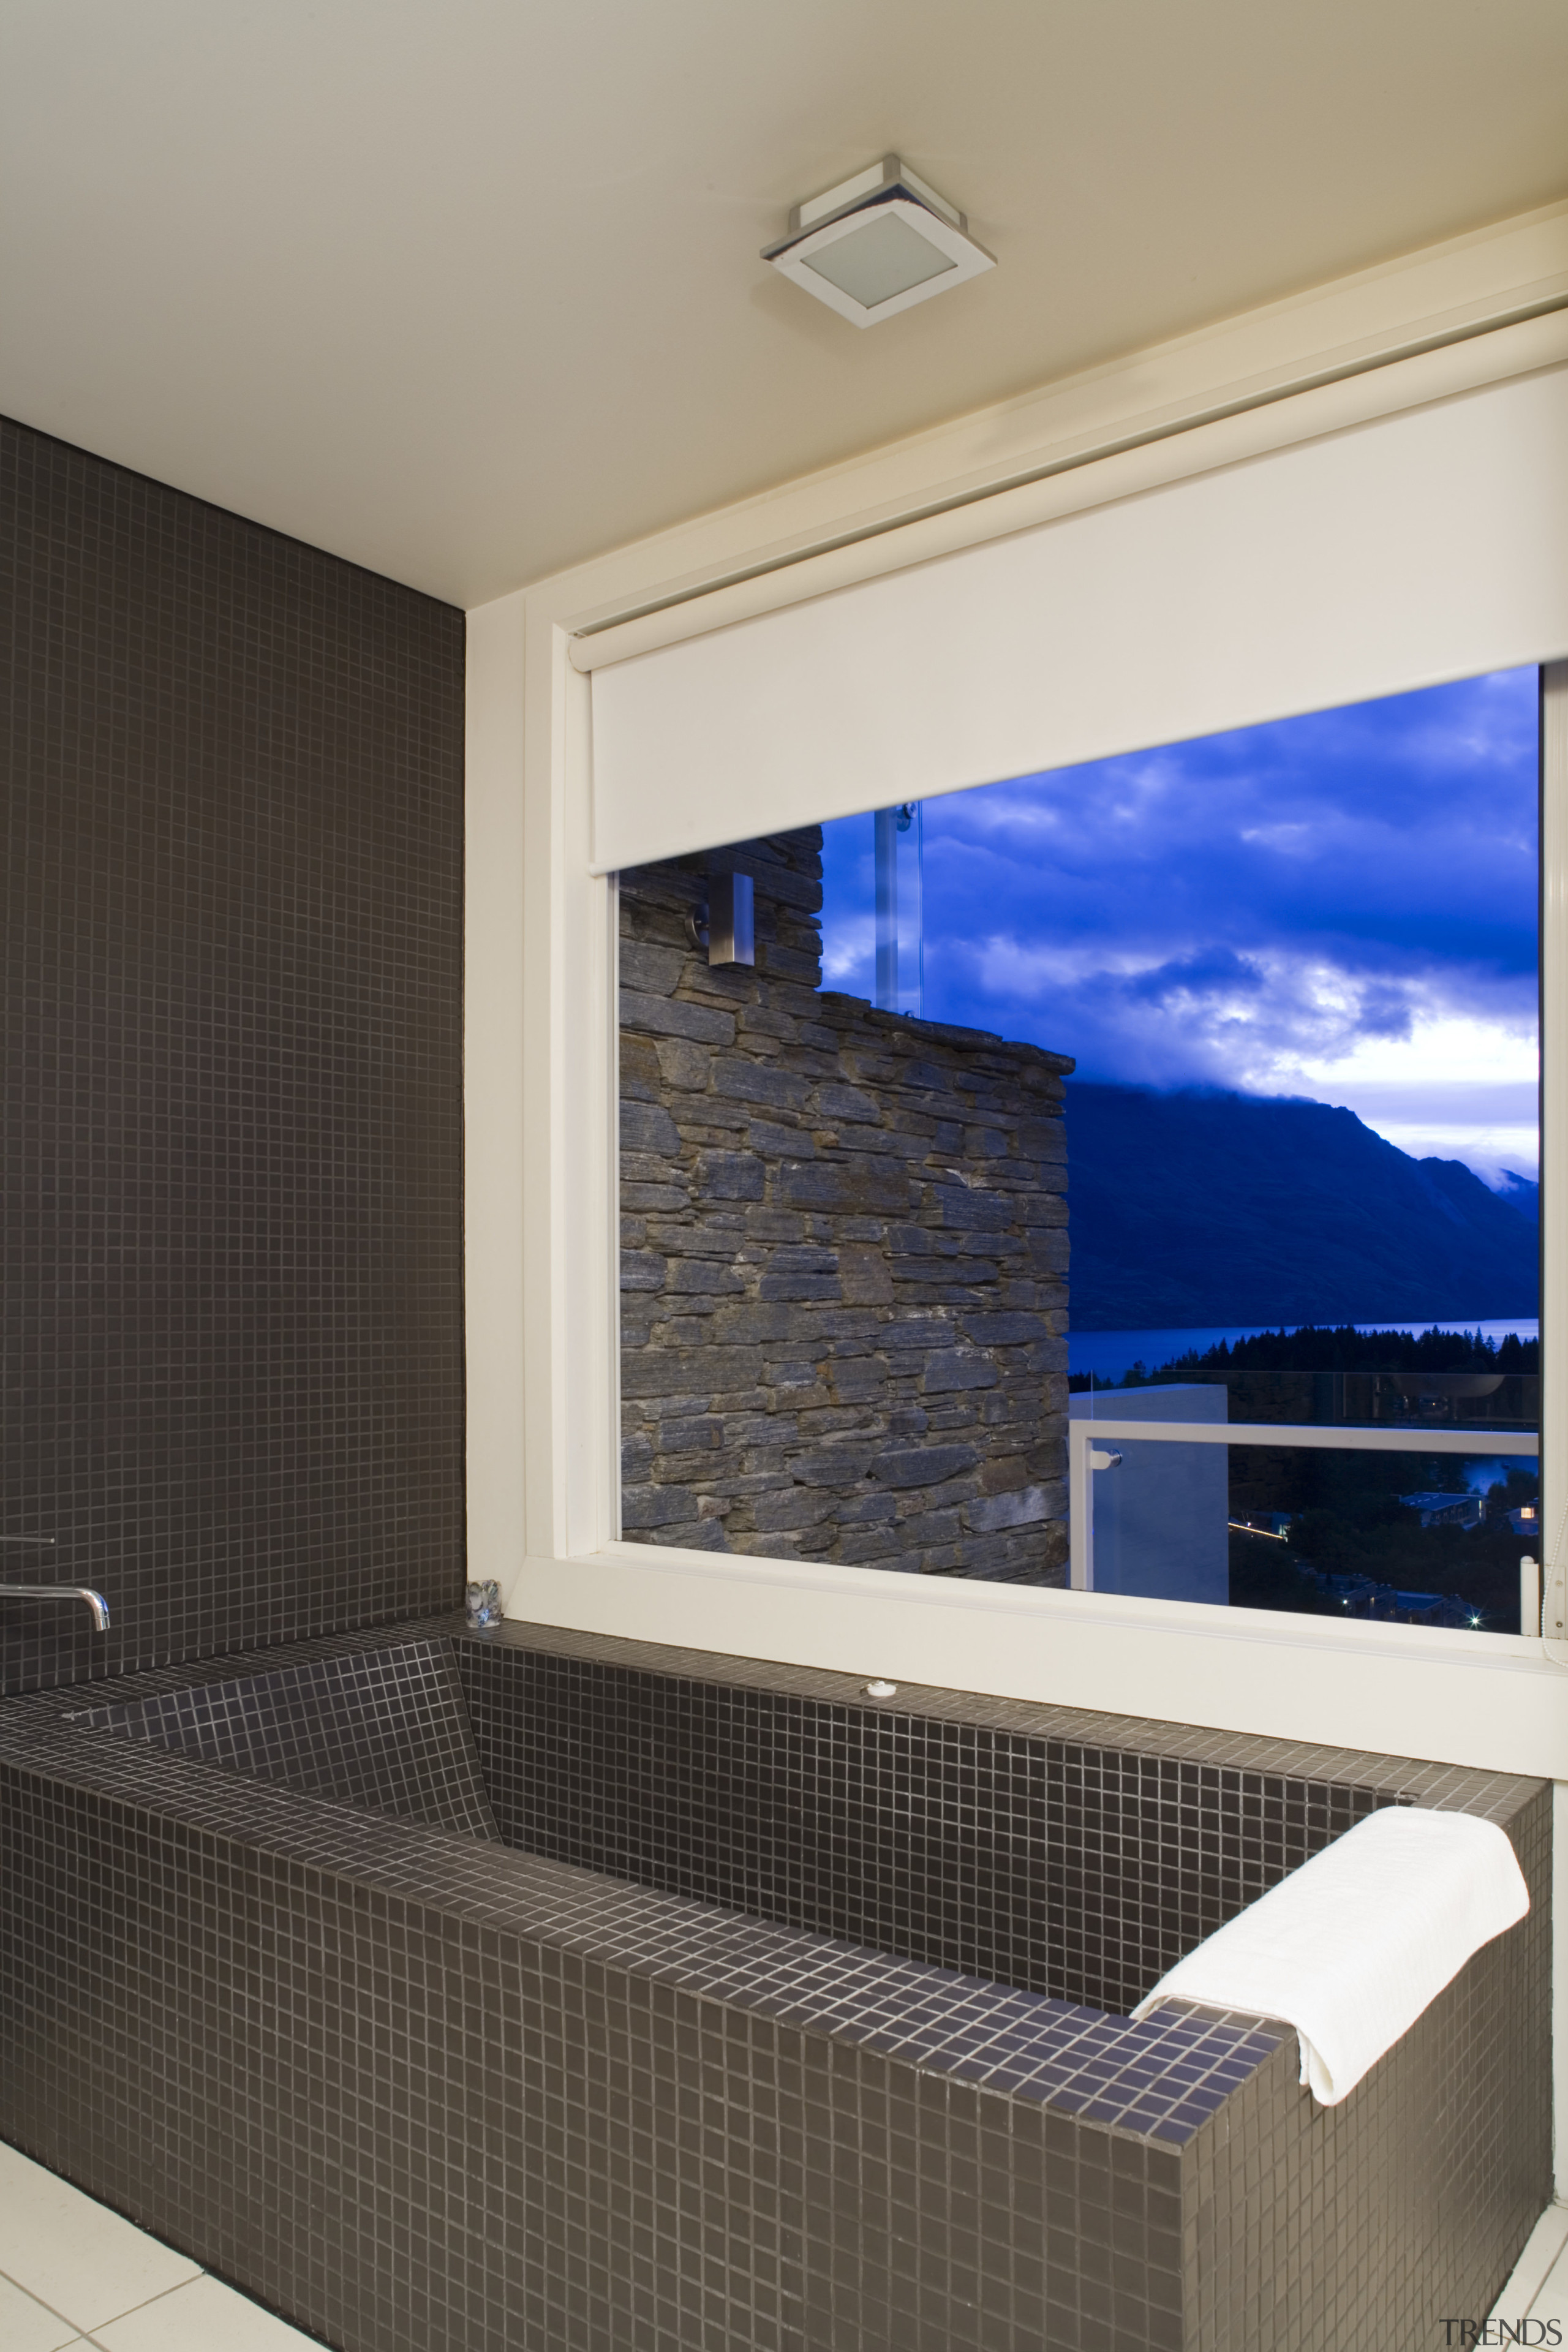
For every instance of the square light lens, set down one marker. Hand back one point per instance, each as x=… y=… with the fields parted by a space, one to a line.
x=888 y=257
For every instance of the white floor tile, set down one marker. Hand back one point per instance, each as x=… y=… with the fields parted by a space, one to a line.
x=205 y=2317
x=27 y=2326
x=73 y=2254
x=1546 y=2246
x=1551 y=2303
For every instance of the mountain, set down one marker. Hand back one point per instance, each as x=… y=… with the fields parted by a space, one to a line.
x=1196 y=1208
x=1520 y=1192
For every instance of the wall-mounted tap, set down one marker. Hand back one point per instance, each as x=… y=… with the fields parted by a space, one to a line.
x=94 y=1601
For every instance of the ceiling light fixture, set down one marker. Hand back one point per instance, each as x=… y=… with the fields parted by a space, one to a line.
x=877 y=244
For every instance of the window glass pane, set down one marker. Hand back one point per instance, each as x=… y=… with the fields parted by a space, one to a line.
x=1275 y=994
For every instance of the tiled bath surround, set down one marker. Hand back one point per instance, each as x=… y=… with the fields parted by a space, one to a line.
x=419 y=2091
x=1064 y=1867
x=230 y=1132
x=383 y=1727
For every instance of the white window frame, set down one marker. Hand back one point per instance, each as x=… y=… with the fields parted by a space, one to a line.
x=541 y=1049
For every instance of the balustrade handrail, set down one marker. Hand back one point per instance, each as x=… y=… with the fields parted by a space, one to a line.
x=1354 y=1436
x=1085 y=1432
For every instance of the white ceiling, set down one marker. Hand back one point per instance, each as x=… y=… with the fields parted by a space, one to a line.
x=468 y=290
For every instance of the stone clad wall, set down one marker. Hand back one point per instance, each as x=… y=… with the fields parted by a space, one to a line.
x=844 y=1255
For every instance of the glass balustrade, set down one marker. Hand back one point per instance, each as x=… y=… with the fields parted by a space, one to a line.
x=1397 y=1498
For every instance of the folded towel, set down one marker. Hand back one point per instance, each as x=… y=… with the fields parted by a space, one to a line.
x=1354 y=1945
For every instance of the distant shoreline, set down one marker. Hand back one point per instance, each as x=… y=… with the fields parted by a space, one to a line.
x=1110 y=1355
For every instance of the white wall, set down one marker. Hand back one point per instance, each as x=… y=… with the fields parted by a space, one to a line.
x=492 y=1087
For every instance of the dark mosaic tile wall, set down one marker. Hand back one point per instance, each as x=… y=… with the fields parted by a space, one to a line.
x=413 y=2131
x=1066 y=1867
x=385 y=1728
x=422 y=2094
x=1371 y=2222
x=231 y=989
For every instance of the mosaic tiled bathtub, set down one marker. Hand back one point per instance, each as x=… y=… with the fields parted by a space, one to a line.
x=532 y=1990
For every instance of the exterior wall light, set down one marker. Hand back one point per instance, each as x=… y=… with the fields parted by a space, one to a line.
x=877 y=244
x=725 y=923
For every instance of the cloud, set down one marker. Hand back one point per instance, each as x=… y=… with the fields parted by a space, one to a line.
x=1323 y=905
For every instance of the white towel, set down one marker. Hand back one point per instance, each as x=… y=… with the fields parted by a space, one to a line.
x=1354 y=1945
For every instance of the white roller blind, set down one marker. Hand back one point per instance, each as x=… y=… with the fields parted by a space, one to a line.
x=1427 y=545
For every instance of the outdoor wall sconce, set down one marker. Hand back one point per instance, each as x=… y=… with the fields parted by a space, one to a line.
x=724 y=923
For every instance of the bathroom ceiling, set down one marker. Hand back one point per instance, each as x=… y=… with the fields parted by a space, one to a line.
x=468 y=290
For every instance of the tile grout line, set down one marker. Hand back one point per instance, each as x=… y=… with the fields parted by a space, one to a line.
x=53 y=2310
x=86 y=2335
x=1560 y=2214
x=71 y=2342
x=146 y=2304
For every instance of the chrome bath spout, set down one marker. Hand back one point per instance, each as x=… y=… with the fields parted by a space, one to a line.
x=95 y=1602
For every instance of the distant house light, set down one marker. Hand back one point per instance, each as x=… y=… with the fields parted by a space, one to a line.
x=877 y=244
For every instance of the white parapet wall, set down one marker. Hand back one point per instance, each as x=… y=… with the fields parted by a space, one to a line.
x=1156 y=1516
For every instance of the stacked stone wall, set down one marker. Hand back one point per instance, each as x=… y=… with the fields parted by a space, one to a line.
x=844 y=1255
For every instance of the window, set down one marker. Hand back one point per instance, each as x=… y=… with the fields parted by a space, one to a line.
x=1418 y=538
x=1273 y=995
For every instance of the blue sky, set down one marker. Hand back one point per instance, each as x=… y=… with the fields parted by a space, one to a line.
x=1341 y=906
